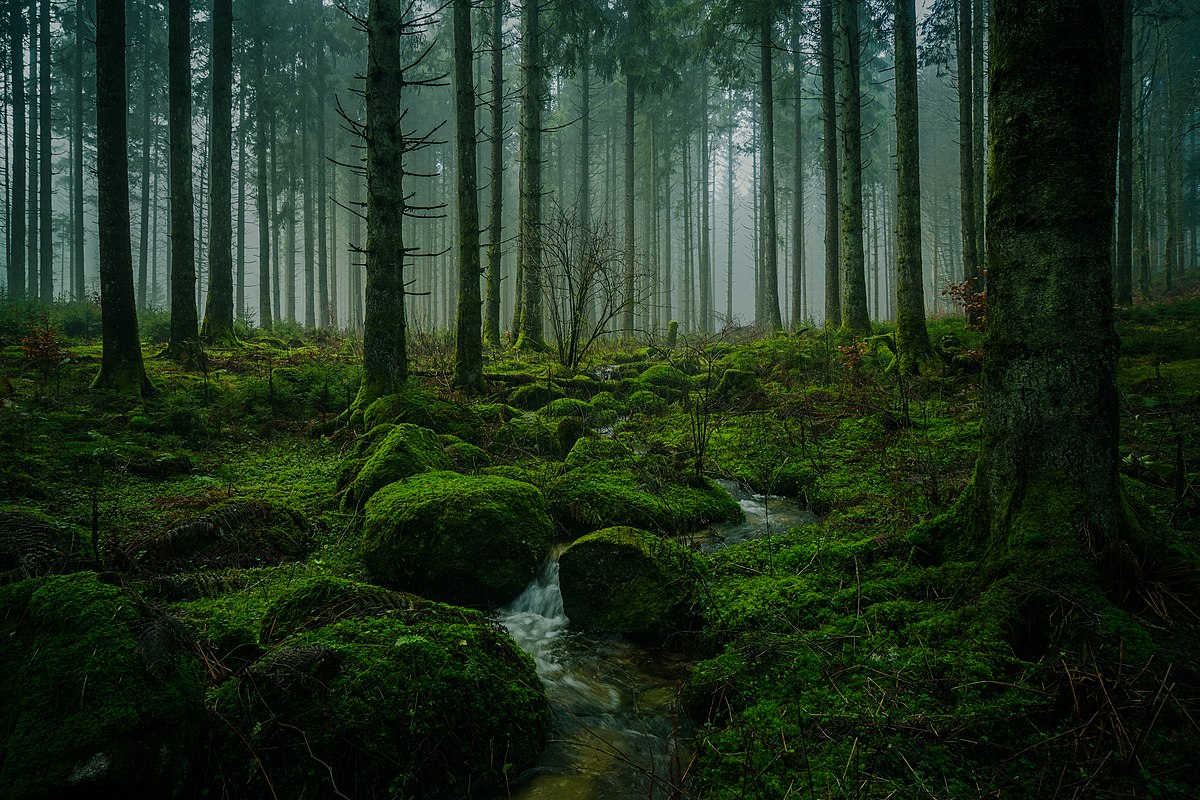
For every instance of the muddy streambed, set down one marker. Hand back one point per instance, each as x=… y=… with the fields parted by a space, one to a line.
x=618 y=730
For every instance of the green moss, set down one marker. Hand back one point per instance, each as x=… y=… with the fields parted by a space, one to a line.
x=628 y=581
x=526 y=435
x=407 y=450
x=471 y=540
x=737 y=384
x=100 y=697
x=464 y=457
x=33 y=544
x=435 y=702
x=595 y=449
x=568 y=407
x=533 y=396
x=417 y=406
x=644 y=401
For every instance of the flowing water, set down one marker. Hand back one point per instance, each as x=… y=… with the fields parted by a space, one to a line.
x=618 y=730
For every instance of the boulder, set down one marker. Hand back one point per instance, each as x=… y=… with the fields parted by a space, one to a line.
x=628 y=581
x=473 y=540
x=380 y=695
x=101 y=697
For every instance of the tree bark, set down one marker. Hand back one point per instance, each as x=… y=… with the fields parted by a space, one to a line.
x=16 y=215
x=966 y=152
x=262 y=206
x=33 y=287
x=496 y=177
x=385 y=356
x=706 y=299
x=912 y=338
x=1124 y=255
x=147 y=122
x=468 y=351
x=46 y=194
x=855 y=318
x=323 y=276
x=218 y=311
x=121 y=365
x=529 y=333
x=240 y=264
x=770 y=262
x=630 y=283
x=183 y=344
x=798 y=277
x=833 y=283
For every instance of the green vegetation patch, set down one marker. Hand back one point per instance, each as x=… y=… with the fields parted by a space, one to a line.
x=100 y=696
x=405 y=451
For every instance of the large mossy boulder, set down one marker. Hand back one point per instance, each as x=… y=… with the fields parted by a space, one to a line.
x=527 y=435
x=473 y=540
x=32 y=544
x=407 y=450
x=629 y=581
x=423 y=702
x=100 y=697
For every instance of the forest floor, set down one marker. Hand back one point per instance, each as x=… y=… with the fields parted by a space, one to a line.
x=829 y=663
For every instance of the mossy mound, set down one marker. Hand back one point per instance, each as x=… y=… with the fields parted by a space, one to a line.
x=533 y=396
x=32 y=544
x=437 y=703
x=568 y=407
x=595 y=449
x=100 y=698
x=628 y=581
x=464 y=457
x=644 y=401
x=663 y=376
x=407 y=450
x=607 y=493
x=740 y=386
x=469 y=540
x=527 y=435
x=234 y=533
x=418 y=406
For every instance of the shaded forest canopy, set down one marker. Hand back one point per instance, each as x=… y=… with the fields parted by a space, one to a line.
x=368 y=367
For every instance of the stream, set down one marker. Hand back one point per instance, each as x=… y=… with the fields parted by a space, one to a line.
x=618 y=730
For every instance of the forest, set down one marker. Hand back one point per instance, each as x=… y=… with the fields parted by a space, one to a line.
x=600 y=399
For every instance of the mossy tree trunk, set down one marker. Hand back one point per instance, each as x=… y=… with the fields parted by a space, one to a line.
x=912 y=338
x=468 y=351
x=1124 y=259
x=630 y=288
x=1045 y=498
x=326 y=308
x=121 y=365
x=798 y=276
x=855 y=317
x=148 y=134
x=46 y=165
x=529 y=332
x=496 y=176
x=183 y=345
x=385 y=356
x=218 y=310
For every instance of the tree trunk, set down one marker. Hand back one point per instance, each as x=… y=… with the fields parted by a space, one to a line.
x=34 y=284
x=978 y=97
x=468 y=351
x=240 y=264
x=385 y=356
x=121 y=365
x=912 y=338
x=309 y=222
x=1045 y=505
x=833 y=283
x=966 y=152
x=218 y=311
x=729 y=189
x=496 y=176
x=46 y=196
x=1124 y=254
x=798 y=277
x=627 y=323
x=16 y=214
x=262 y=206
x=855 y=318
x=323 y=277
x=770 y=262
x=529 y=334
x=184 y=323
x=147 y=122
x=706 y=300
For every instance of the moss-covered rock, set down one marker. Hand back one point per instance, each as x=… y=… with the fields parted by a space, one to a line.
x=739 y=385
x=100 y=698
x=435 y=702
x=470 y=540
x=606 y=494
x=628 y=581
x=233 y=533
x=417 y=406
x=407 y=450
x=527 y=435
x=644 y=401
x=664 y=380
x=567 y=407
x=595 y=449
x=464 y=457
x=533 y=396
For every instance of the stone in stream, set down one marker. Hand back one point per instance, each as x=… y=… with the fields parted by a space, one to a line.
x=629 y=581
x=473 y=540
